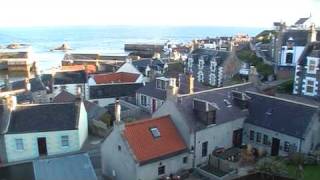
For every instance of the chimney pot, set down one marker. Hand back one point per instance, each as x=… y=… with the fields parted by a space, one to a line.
x=117 y=111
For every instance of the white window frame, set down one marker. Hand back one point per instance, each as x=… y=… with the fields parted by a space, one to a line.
x=200 y=76
x=65 y=141
x=305 y=86
x=213 y=65
x=201 y=63
x=145 y=104
x=19 y=144
x=212 y=79
x=316 y=61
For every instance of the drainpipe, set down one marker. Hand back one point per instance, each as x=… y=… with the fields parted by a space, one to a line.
x=194 y=149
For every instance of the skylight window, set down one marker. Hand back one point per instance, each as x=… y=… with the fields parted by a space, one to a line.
x=155 y=132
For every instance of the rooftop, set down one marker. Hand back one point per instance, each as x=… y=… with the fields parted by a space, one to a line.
x=43 y=118
x=70 y=77
x=161 y=139
x=280 y=115
x=117 y=77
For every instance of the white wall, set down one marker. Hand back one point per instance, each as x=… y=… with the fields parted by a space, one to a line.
x=30 y=143
x=217 y=136
x=114 y=161
x=172 y=166
x=297 y=51
x=148 y=106
x=83 y=125
x=71 y=88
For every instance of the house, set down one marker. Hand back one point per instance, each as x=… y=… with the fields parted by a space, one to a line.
x=280 y=126
x=208 y=119
x=307 y=74
x=34 y=130
x=105 y=94
x=35 y=90
x=207 y=65
x=293 y=42
x=145 y=149
x=70 y=81
x=72 y=167
x=151 y=68
x=151 y=96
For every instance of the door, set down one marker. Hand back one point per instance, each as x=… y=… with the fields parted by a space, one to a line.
x=154 y=105
x=42 y=146
x=275 y=146
x=237 y=138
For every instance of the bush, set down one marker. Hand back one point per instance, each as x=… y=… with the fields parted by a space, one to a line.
x=286 y=87
x=272 y=166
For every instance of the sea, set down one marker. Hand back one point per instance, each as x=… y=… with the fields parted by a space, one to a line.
x=107 y=40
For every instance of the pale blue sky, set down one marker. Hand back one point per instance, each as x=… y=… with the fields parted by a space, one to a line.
x=252 y=13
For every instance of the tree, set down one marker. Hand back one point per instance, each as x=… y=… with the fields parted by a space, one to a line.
x=272 y=166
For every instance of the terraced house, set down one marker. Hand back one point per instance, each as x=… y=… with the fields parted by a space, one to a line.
x=307 y=74
x=207 y=66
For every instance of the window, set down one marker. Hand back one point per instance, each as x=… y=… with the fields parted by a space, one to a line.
x=155 y=132
x=212 y=79
x=119 y=148
x=190 y=62
x=200 y=76
x=213 y=65
x=289 y=58
x=312 y=65
x=251 y=135
x=19 y=144
x=265 y=139
x=64 y=141
x=258 y=139
x=204 y=149
x=201 y=63
x=310 y=86
x=286 y=146
x=143 y=100
x=161 y=170
x=185 y=160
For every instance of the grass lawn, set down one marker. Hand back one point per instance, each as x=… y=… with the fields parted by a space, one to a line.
x=310 y=172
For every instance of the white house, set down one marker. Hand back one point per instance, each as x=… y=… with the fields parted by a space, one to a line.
x=146 y=149
x=31 y=131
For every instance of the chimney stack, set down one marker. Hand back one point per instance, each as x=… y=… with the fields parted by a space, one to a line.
x=312 y=35
x=190 y=81
x=254 y=76
x=117 y=111
x=7 y=83
x=10 y=103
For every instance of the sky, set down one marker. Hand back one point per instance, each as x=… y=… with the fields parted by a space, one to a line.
x=240 y=13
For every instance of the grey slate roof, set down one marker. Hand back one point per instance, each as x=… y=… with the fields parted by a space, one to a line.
x=215 y=96
x=150 y=88
x=300 y=37
x=73 y=167
x=43 y=118
x=113 y=90
x=312 y=49
x=208 y=55
x=142 y=64
x=279 y=115
x=70 y=77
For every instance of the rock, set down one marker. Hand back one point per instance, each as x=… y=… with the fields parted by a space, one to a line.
x=63 y=47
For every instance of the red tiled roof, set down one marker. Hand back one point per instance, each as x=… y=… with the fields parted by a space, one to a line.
x=88 y=68
x=145 y=147
x=118 y=77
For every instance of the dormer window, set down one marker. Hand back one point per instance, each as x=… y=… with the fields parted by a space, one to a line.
x=155 y=132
